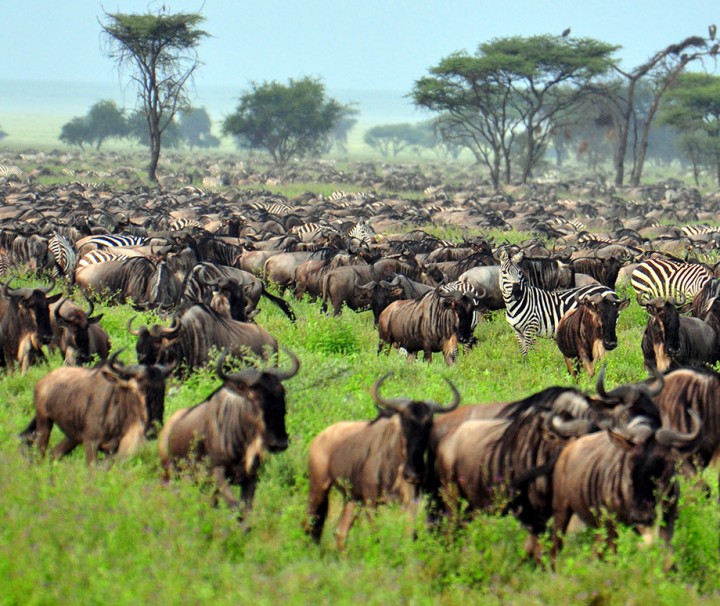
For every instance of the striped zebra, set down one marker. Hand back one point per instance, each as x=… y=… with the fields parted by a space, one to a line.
x=307 y=232
x=534 y=312
x=99 y=256
x=665 y=278
x=64 y=254
x=108 y=241
x=184 y=223
x=363 y=232
x=4 y=263
x=699 y=230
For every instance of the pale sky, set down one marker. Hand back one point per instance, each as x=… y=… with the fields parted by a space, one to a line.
x=383 y=45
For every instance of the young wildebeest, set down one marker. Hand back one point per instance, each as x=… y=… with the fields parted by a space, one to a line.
x=231 y=428
x=619 y=476
x=110 y=408
x=585 y=333
x=371 y=461
x=671 y=340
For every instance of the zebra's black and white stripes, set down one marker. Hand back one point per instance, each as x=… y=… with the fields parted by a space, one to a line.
x=534 y=312
x=664 y=278
x=64 y=254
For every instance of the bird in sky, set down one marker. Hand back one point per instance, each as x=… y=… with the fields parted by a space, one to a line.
x=712 y=30
x=566 y=32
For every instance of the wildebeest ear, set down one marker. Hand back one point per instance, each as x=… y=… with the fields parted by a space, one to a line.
x=517 y=257
x=623 y=304
x=502 y=255
x=95 y=319
x=53 y=298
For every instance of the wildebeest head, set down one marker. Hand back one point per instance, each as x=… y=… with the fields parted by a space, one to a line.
x=147 y=382
x=634 y=400
x=464 y=304
x=416 y=418
x=665 y=321
x=153 y=341
x=654 y=452
x=33 y=304
x=76 y=323
x=228 y=299
x=606 y=308
x=265 y=388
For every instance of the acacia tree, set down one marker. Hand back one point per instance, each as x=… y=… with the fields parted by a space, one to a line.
x=692 y=106
x=660 y=72
x=160 y=51
x=511 y=86
x=194 y=127
x=393 y=138
x=286 y=120
x=104 y=120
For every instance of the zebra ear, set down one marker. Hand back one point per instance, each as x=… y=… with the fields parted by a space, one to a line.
x=502 y=255
x=517 y=257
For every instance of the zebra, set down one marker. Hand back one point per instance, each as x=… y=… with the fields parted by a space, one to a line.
x=665 y=278
x=107 y=241
x=699 y=230
x=363 y=232
x=183 y=223
x=64 y=254
x=100 y=256
x=534 y=312
x=307 y=232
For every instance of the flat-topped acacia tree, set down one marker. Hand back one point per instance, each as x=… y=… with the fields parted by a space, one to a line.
x=160 y=53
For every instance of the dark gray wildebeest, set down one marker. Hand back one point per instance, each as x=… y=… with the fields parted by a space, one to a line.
x=231 y=428
x=437 y=322
x=147 y=284
x=203 y=278
x=501 y=456
x=671 y=340
x=77 y=333
x=621 y=476
x=371 y=461
x=25 y=324
x=112 y=408
x=194 y=333
x=585 y=333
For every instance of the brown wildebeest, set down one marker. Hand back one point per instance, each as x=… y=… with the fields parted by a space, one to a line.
x=231 y=428
x=110 y=408
x=585 y=333
x=623 y=472
x=371 y=461
x=77 y=333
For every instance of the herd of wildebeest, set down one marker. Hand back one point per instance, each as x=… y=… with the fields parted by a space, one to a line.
x=203 y=259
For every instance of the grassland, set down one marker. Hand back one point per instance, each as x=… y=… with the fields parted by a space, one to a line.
x=116 y=534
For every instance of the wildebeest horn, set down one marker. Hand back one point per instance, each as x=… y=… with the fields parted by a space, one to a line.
x=679 y=300
x=368 y=286
x=7 y=291
x=643 y=299
x=652 y=392
x=47 y=289
x=283 y=375
x=248 y=376
x=438 y=409
x=172 y=331
x=112 y=363
x=58 y=316
x=130 y=329
x=90 y=311
x=567 y=429
x=675 y=439
x=395 y=404
x=166 y=369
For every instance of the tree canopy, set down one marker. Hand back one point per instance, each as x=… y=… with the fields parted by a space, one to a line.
x=286 y=120
x=104 y=120
x=511 y=86
x=160 y=51
x=194 y=127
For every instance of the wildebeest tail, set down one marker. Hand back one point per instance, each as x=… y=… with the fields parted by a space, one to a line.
x=28 y=434
x=281 y=303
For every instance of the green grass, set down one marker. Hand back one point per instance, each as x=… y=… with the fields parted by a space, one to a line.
x=116 y=534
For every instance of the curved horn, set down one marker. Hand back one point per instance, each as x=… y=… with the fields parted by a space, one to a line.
x=395 y=404
x=58 y=317
x=283 y=375
x=166 y=369
x=7 y=291
x=130 y=329
x=91 y=309
x=248 y=376
x=438 y=409
x=47 y=289
x=369 y=286
x=172 y=331
x=567 y=429
x=660 y=378
x=685 y=441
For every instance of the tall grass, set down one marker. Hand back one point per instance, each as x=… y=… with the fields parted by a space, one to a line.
x=116 y=534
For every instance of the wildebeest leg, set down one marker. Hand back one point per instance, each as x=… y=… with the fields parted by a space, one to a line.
x=44 y=427
x=91 y=451
x=561 y=519
x=589 y=367
x=247 y=494
x=223 y=486
x=66 y=446
x=318 y=501
x=346 y=521
x=570 y=364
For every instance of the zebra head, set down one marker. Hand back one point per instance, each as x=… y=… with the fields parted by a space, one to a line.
x=512 y=279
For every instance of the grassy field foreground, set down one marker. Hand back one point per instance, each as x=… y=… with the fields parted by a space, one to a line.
x=115 y=534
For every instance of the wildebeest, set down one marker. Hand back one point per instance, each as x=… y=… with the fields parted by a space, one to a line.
x=671 y=340
x=436 y=322
x=605 y=271
x=371 y=461
x=77 y=333
x=147 y=284
x=620 y=475
x=585 y=333
x=501 y=456
x=25 y=324
x=230 y=429
x=110 y=409
x=194 y=332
